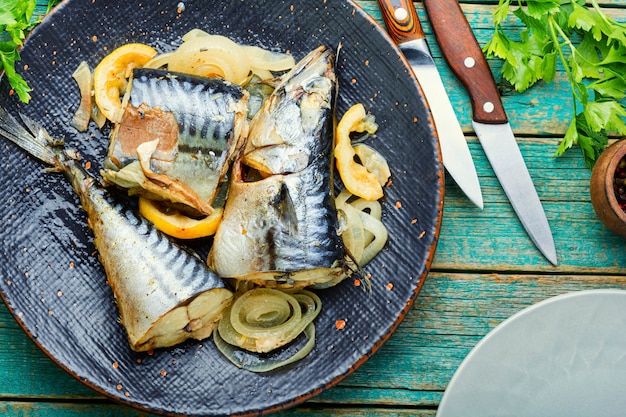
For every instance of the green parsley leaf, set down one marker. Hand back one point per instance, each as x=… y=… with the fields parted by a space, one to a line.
x=16 y=20
x=594 y=66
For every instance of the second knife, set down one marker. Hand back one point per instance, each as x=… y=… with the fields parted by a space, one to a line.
x=467 y=61
x=404 y=27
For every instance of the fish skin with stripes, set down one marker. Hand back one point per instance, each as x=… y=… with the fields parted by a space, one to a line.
x=189 y=128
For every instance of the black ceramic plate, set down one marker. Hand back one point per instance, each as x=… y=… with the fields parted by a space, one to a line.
x=52 y=281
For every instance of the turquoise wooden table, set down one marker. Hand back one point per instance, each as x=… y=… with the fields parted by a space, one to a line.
x=485 y=270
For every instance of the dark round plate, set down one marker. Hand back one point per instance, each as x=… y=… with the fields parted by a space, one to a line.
x=51 y=278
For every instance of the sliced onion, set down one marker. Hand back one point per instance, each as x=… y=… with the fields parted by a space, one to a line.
x=263 y=319
x=273 y=61
x=379 y=231
x=83 y=77
x=365 y=235
x=354 y=236
x=374 y=162
x=211 y=56
x=159 y=61
x=254 y=362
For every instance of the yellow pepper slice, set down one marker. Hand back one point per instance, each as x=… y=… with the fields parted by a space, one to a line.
x=178 y=225
x=111 y=76
x=355 y=177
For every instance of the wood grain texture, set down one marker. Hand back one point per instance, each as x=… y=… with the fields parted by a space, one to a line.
x=402 y=27
x=466 y=59
x=485 y=270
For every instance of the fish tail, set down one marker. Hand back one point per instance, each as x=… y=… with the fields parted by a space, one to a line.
x=30 y=136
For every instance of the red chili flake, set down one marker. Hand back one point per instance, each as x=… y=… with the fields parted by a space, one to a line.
x=119 y=386
x=49 y=312
x=398 y=204
x=115 y=365
x=138 y=360
x=127 y=394
x=340 y=324
x=413 y=221
x=150 y=352
x=87 y=165
x=26 y=67
x=367 y=62
x=357 y=282
x=389 y=286
x=353 y=81
x=71 y=264
x=163 y=372
x=94 y=38
x=422 y=234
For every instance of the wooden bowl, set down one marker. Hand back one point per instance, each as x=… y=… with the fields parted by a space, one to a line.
x=602 y=189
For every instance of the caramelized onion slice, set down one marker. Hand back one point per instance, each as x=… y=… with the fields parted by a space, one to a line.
x=364 y=234
x=82 y=116
x=211 y=56
x=262 y=320
x=255 y=362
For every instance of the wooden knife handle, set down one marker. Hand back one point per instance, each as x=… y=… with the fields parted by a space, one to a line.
x=401 y=20
x=466 y=59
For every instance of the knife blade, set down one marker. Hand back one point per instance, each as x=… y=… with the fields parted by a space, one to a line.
x=466 y=60
x=404 y=27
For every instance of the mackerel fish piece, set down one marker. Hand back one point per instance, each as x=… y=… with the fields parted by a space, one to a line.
x=164 y=294
x=280 y=226
x=198 y=124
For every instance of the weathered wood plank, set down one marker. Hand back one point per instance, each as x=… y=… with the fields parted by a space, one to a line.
x=453 y=312
x=493 y=239
x=107 y=410
x=545 y=109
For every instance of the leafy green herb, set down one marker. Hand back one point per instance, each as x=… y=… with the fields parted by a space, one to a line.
x=16 y=20
x=595 y=66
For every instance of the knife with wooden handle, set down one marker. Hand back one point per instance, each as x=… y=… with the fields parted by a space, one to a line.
x=404 y=28
x=465 y=58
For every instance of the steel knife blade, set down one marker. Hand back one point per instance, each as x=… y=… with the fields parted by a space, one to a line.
x=404 y=27
x=466 y=59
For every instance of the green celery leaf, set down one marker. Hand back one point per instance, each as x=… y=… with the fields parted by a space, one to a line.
x=570 y=138
x=591 y=143
x=548 y=66
x=501 y=12
x=605 y=115
x=539 y=8
x=6 y=18
x=498 y=46
x=612 y=86
x=19 y=85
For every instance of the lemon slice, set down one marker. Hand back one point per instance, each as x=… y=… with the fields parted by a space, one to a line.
x=355 y=177
x=112 y=73
x=178 y=225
